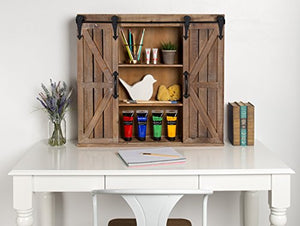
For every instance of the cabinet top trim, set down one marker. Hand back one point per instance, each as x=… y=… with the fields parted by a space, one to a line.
x=150 y=18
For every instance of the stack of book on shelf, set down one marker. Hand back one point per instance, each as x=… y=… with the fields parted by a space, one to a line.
x=241 y=123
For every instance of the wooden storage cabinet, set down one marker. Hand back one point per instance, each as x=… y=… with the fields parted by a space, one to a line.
x=198 y=69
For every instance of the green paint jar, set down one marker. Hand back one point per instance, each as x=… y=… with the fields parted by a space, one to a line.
x=157 y=117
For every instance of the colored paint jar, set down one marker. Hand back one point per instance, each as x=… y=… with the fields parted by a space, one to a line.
x=127 y=124
x=142 y=124
x=171 y=124
x=157 y=117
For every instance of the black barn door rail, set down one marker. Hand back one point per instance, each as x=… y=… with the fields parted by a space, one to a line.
x=115 y=20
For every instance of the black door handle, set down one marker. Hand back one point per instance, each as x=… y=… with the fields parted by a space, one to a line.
x=115 y=94
x=186 y=85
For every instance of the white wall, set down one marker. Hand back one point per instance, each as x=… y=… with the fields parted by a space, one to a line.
x=262 y=46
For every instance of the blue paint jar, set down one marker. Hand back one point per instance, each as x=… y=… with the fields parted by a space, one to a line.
x=142 y=124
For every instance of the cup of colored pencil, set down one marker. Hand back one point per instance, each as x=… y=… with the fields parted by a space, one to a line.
x=133 y=49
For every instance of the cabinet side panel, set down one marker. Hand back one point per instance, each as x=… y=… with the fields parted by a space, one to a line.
x=185 y=101
x=220 y=97
x=79 y=88
x=115 y=101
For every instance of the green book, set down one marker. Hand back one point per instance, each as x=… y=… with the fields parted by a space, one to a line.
x=243 y=124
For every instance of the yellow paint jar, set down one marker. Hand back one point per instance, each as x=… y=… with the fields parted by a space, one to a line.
x=171 y=124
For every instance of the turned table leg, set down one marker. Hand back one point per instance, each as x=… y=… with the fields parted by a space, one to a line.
x=24 y=217
x=279 y=199
x=22 y=200
x=47 y=210
x=278 y=216
x=251 y=208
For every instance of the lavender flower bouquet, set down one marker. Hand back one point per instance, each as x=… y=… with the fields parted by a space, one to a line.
x=56 y=102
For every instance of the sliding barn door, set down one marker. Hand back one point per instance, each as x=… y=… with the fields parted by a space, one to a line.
x=97 y=76
x=203 y=104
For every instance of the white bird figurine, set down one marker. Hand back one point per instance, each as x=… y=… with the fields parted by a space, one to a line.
x=141 y=90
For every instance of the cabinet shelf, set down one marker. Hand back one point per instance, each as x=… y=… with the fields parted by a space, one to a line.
x=164 y=141
x=150 y=65
x=150 y=104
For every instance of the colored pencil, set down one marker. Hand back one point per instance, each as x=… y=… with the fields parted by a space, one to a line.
x=130 y=40
x=134 y=46
x=140 y=45
x=126 y=45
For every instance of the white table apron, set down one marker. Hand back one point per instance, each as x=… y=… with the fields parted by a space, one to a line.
x=227 y=168
x=279 y=200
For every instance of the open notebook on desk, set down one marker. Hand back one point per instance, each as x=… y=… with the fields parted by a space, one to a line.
x=150 y=156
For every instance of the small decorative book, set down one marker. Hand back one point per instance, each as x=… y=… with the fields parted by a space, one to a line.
x=241 y=123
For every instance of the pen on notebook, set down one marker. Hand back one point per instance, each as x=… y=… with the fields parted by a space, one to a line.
x=161 y=155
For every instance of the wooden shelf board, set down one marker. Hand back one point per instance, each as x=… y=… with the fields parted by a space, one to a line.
x=151 y=103
x=150 y=65
x=149 y=141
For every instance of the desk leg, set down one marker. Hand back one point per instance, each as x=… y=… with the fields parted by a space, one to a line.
x=279 y=199
x=47 y=210
x=22 y=200
x=151 y=210
x=251 y=208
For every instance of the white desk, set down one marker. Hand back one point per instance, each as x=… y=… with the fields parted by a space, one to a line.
x=228 y=168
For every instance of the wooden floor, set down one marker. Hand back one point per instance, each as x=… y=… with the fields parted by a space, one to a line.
x=132 y=222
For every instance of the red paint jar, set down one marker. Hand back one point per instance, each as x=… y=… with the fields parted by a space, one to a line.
x=127 y=124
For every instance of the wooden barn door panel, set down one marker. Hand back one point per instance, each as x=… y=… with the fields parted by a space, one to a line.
x=203 y=109
x=97 y=109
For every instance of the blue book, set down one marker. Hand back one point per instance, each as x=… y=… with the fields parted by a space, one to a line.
x=243 y=124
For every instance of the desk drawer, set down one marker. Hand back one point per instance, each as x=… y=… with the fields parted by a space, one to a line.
x=67 y=183
x=235 y=182
x=151 y=182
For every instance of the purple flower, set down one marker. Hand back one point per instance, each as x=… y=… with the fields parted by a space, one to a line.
x=42 y=102
x=56 y=101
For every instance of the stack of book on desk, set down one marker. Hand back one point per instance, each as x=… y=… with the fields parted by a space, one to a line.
x=241 y=123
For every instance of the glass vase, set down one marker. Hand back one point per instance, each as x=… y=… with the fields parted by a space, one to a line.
x=57 y=132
